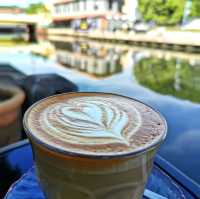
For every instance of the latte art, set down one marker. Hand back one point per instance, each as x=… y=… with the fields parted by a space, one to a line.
x=90 y=121
x=94 y=124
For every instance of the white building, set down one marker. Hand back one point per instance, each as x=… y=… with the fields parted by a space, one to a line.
x=130 y=9
x=71 y=8
x=92 y=13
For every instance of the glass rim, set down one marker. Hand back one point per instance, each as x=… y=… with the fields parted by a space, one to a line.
x=92 y=155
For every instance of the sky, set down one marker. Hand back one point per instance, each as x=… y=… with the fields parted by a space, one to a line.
x=21 y=3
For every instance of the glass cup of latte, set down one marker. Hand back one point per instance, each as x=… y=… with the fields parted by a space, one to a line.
x=93 y=145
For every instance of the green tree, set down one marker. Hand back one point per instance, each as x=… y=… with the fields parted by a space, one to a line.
x=170 y=77
x=163 y=12
x=195 y=9
x=36 y=8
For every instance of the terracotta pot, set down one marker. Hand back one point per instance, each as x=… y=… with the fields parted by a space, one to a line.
x=11 y=99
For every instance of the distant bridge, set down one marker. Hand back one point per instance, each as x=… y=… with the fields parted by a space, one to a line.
x=31 y=21
x=19 y=18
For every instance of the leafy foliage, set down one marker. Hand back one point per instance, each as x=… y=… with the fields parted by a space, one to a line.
x=171 y=77
x=36 y=8
x=195 y=10
x=163 y=12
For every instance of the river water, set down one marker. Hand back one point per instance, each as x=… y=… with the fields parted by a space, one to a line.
x=167 y=80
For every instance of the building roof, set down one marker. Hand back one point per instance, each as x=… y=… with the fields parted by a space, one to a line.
x=61 y=1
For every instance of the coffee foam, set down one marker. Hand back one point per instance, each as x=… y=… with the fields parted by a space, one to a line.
x=94 y=123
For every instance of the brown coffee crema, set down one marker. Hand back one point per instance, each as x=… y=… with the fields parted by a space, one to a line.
x=94 y=124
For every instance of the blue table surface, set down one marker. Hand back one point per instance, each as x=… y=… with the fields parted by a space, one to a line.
x=19 y=162
x=27 y=186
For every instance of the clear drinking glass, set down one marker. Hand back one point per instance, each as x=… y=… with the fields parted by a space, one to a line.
x=64 y=175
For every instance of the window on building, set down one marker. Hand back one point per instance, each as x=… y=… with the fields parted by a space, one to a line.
x=82 y=5
x=56 y=9
x=115 y=6
x=96 y=7
x=121 y=3
x=75 y=6
x=64 y=9
x=69 y=7
x=85 y=4
x=60 y=9
x=90 y=5
x=110 y=4
x=78 y=5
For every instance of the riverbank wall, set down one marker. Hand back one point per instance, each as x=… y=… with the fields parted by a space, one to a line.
x=172 y=40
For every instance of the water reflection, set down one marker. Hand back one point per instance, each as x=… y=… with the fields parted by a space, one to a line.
x=168 y=81
x=96 y=61
x=176 y=77
x=169 y=73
